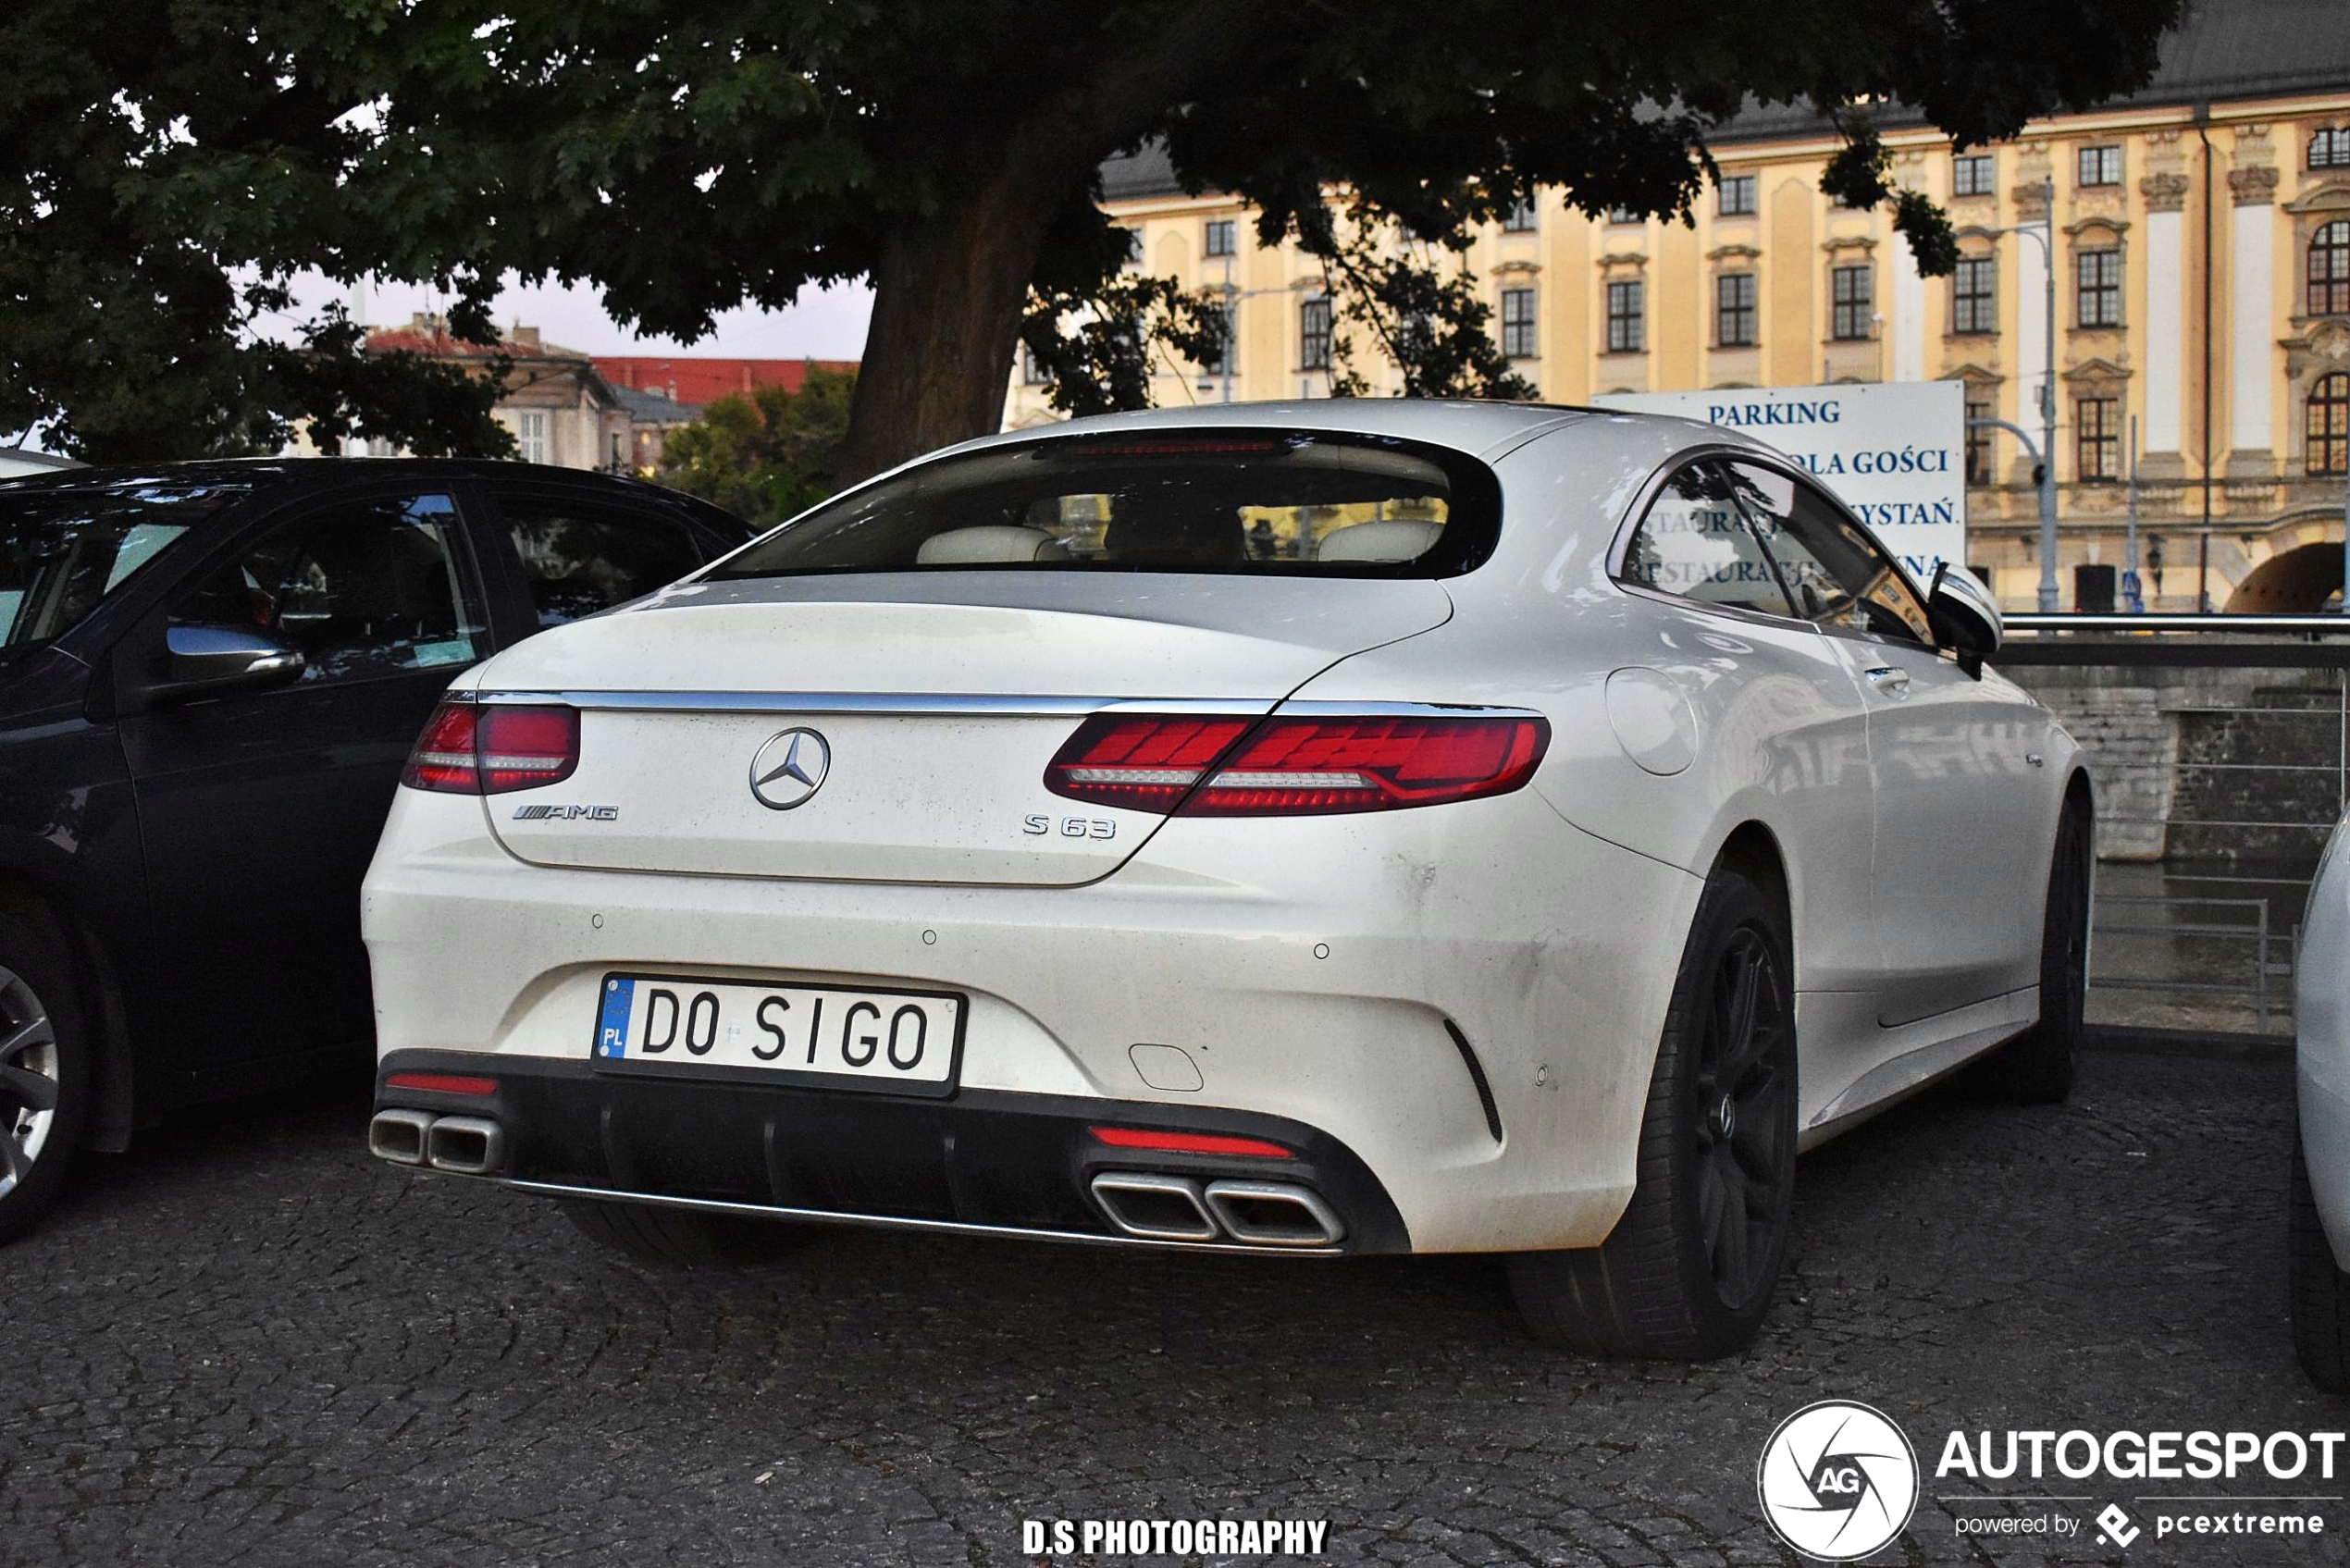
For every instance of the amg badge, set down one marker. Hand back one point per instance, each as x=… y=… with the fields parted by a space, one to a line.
x=566 y=814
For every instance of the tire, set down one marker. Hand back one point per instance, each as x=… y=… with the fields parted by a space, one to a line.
x=2320 y=1291
x=2035 y=1069
x=1689 y=1272
x=678 y=1238
x=45 y=1067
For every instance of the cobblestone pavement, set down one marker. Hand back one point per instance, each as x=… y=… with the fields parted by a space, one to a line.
x=246 y=1342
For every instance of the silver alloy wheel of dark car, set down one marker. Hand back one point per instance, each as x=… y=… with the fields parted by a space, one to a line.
x=30 y=1078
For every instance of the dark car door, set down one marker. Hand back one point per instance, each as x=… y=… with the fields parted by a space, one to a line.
x=573 y=549
x=260 y=810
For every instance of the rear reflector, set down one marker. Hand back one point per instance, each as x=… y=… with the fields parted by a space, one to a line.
x=1293 y=766
x=467 y=749
x=443 y=1083
x=1187 y=1142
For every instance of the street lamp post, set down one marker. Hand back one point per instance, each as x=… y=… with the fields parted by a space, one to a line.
x=2046 y=234
x=2047 y=514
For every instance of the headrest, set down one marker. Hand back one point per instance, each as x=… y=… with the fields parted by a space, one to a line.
x=1392 y=539
x=993 y=544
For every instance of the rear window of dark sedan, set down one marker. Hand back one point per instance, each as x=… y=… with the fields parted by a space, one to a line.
x=1257 y=502
x=63 y=550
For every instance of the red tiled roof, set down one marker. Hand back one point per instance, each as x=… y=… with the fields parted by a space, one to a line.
x=693 y=379
x=436 y=342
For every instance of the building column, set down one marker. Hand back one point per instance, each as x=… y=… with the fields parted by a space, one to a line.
x=2251 y=329
x=2166 y=294
x=1909 y=314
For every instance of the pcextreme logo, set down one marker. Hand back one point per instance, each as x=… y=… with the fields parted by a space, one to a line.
x=1838 y=1480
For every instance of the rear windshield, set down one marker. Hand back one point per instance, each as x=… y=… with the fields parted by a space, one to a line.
x=63 y=550
x=1261 y=503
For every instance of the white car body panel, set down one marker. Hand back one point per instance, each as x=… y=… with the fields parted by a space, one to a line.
x=2321 y=1025
x=1308 y=965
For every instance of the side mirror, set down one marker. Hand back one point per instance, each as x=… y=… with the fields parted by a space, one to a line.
x=1964 y=616
x=206 y=660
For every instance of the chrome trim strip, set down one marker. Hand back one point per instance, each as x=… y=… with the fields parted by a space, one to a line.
x=964 y=704
x=893 y=1222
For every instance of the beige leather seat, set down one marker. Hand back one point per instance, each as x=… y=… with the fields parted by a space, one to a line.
x=1392 y=539
x=994 y=544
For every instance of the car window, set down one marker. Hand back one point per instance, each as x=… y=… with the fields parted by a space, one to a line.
x=64 y=549
x=1840 y=577
x=1694 y=543
x=366 y=587
x=1258 y=502
x=578 y=561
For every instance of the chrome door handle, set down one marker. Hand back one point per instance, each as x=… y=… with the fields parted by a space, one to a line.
x=1889 y=679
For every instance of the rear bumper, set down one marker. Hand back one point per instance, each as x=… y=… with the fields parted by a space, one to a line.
x=1468 y=998
x=987 y=1161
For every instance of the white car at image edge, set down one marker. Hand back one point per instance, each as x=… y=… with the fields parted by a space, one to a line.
x=1309 y=829
x=2319 y=1203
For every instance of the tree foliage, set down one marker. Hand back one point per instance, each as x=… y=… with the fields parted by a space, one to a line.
x=687 y=156
x=769 y=456
x=165 y=170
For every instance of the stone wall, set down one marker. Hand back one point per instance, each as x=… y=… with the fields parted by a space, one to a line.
x=2139 y=725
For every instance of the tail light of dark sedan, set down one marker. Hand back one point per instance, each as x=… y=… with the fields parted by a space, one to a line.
x=1294 y=765
x=468 y=748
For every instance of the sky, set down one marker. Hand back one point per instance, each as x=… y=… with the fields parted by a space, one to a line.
x=824 y=324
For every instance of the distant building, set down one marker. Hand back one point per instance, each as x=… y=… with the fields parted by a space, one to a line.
x=651 y=416
x=577 y=410
x=694 y=381
x=561 y=409
x=2202 y=239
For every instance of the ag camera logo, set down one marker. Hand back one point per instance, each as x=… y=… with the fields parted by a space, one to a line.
x=1837 y=1481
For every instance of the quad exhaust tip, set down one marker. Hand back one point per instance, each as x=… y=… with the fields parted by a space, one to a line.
x=1158 y=1208
x=399 y=1135
x=1274 y=1213
x=460 y=1145
x=1176 y=1208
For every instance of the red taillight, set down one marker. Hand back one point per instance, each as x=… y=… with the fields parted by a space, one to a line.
x=1147 y=762
x=442 y=1082
x=1187 y=1142
x=468 y=749
x=443 y=757
x=1294 y=766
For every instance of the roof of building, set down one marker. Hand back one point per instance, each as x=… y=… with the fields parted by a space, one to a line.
x=644 y=406
x=694 y=381
x=427 y=334
x=2224 y=50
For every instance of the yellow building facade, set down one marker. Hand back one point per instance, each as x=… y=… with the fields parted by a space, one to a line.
x=2201 y=241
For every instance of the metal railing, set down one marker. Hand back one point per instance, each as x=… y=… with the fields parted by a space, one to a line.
x=2208 y=836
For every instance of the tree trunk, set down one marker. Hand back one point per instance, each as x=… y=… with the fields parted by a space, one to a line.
x=948 y=293
x=947 y=298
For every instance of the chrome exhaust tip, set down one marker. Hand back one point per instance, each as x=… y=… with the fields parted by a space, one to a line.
x=1158 y=1208
x=1274 y=1213
x=465 y=1145
x=399 y=1135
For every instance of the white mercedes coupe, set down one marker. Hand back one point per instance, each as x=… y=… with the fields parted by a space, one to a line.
x=1289 y=828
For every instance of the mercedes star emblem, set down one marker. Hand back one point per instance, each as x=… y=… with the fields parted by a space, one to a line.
x=790 y=769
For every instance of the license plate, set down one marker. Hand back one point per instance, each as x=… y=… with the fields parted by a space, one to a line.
x=907 y=1041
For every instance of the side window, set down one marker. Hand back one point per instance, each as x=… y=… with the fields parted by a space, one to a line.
x=1840 y=577
x=578 y=561
x=369 y=588
x=1694 y=544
